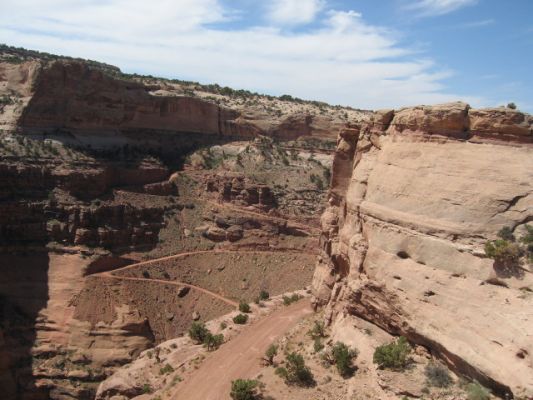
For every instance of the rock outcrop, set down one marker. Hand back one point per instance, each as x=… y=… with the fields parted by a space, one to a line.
x=415 y=195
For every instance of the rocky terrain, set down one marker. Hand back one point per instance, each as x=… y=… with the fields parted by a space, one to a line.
x=131 y=207
x=100 y=170
x=416 y=195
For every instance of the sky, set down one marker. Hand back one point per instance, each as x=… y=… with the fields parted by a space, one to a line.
x=368 y=54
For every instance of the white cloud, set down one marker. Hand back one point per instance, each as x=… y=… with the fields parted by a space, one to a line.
x=343 y=60
x=294 y=12
x=428 y=8
x=478 y=24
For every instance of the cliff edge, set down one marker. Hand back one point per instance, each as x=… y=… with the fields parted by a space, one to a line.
x=415 y=196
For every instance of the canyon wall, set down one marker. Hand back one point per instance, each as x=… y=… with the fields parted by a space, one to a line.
x=415 y=195
x=78 y=103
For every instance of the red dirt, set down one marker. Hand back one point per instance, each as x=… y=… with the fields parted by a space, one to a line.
x=240 y=357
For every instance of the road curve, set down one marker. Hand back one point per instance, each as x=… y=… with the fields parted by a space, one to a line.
x=240 y=357
x=110 y=274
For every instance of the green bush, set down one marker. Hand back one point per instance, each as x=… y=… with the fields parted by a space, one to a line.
x=506 y=233
x=474 y=391
x=437 y=375
x=240 y=319
x=296 y=372
x=318 y=330
x=198 y=332
x=213 y=342
x=167 y=369
x=244 y=307
x=318 y=345
x=504 y=252
x=288 y=300
x=264 y=295
x=244 y=389
x=342 y=356
x=393 y=355
x=270 y=353
x=147 y=388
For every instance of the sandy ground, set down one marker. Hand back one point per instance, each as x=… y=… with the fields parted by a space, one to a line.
x=239 y=358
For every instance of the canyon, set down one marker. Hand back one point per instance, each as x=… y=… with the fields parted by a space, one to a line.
x=131 y=207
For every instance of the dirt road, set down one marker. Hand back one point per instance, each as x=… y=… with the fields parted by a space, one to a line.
x=240 y=357
x=108 y=275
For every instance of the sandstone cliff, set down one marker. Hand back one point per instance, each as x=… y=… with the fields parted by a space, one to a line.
x=415 y=195
x=80 y=103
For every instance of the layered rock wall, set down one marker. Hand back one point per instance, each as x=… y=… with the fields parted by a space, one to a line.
x=415 y=195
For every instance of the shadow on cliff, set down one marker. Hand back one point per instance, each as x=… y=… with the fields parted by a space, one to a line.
x=23 y=294
x=171 y=147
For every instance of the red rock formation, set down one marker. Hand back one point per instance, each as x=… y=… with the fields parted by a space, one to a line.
x=415 y=196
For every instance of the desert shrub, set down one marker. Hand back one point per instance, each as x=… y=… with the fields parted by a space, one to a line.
x=147 y=388
x=288 y=300
x=474 y=391
x=240 y=319
x=198 y=332
x=318 y=330
x=244 y=307
x=511 y=105
x=342 y=357
x=296 y=372
x=223 y=325
x=506 y=233
x=270 y=353
x=318 y=345
x=437 y=375
x=146 y=274
x=527 y=240
x=504 y=252
x=264 y=295
x=167 y=369
x=244 y=389
x=213 y=342
x=393 y=355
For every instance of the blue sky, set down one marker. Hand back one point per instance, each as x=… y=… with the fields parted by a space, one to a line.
x=363 y=53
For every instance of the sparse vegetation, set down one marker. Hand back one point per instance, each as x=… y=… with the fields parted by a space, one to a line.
x=244 y=307
x=264 y=295
x=343 y=356
x=270 y=353
x=240 y=319
x=288 y=300
x=213 y=342
x=511 y=105
x=296 y=372
x=201 y=335
x=504 y=252
x=437 y=375
x=393 y=355
x=474 y=391
x=244 y=389
x=198 y=332
x=527 y=240
x=318 y=345
x=318 y=330
x=147 y=389
x=167 y=369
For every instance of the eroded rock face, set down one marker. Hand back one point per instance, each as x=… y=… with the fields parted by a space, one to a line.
x=415 y=195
